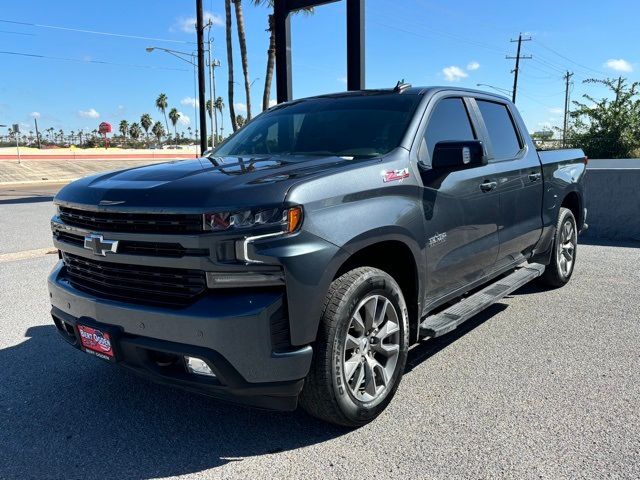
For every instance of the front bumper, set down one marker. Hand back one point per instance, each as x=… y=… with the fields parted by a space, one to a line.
x=230 y=331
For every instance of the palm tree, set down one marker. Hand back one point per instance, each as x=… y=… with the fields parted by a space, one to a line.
x=158 y=130
x=219 y=105
x=174 y=116
x=162 y=104
x=240 y=120
x=146 y=122
x=232 y=110
x=134 y=131
x=124 y=128
x=190 y=132
x=271 y=52
x=61 y=135
x=242 y=39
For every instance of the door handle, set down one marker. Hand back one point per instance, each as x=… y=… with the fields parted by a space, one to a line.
x=488 y=186
x=534 y=177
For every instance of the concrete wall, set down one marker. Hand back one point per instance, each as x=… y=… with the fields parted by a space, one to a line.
x=613 y=200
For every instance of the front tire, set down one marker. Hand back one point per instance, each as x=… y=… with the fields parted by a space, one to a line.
x=361 y=349
x=565 y=246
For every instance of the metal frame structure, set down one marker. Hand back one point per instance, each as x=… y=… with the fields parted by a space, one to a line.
x=355 y=43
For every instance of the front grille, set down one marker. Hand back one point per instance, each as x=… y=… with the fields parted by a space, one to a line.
x=132 y=222
x=131 y=247
x=134 y=283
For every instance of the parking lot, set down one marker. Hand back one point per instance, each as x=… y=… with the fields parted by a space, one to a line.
x=544 y=384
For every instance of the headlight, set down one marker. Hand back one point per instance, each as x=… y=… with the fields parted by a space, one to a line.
x=288 y=220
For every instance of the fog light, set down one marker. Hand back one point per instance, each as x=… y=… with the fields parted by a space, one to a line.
x=197 y=366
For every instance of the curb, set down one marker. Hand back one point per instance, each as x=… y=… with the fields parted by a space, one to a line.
x=39 y=182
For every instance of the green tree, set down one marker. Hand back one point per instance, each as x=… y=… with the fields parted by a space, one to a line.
x=219 y=105
x=124 y=128
x=174 y=116
x=158 y=130
x=232 y=110
x=146 y=122
x=609 y=127
x=240 y=121
x=135 y=131
x=162 y=104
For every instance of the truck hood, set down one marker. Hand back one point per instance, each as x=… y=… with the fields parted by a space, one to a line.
x=198 y=185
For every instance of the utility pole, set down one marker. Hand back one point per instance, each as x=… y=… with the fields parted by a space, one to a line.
x=201 y=82
x=517 y=59
x=567 y=78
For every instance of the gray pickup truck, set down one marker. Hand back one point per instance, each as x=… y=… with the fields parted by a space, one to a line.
x=302 y=257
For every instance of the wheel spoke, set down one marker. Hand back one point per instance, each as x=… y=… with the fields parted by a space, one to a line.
x=359 y=378
x=352 y=342
x=386 y=349
x=370 y=386
x=358 y=323
x=389 y=328
x=350 y=367
x=381 y=311
x=382 y=372
x=370 y=313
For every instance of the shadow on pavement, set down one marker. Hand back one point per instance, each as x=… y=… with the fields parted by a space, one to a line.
x=33 y=199
x=67 y=415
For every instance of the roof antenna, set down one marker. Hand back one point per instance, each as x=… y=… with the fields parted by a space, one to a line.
x=401 y=86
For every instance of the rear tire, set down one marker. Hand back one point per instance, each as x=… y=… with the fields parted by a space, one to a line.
x=361 y=349
x=565 y=246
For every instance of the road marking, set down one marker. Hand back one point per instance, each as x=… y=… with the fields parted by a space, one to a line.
x=39 y=252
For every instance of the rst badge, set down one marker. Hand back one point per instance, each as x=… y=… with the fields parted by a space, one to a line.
x=99 y=246
x=437 y=238
x=393 y=175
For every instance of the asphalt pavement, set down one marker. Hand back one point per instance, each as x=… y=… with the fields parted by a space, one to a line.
x=544 y=384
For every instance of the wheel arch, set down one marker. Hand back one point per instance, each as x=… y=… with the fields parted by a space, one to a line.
x=400 y=258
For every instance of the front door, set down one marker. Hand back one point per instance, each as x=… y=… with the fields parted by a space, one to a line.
x=461 y=208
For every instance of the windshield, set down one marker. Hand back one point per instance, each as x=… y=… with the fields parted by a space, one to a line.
x=357 y=126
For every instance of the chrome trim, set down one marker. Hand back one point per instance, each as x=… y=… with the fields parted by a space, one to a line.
x=245 y=245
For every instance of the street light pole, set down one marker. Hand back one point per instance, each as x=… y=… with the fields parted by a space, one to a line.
x=212 y=86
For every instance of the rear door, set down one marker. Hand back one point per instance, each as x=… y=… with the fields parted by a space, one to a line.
x=461 y=217
x=519 y=175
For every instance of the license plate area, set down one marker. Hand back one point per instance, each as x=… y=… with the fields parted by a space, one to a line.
x=97 y=342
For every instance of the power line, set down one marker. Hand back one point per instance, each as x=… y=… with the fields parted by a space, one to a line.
x=517 y=67
x=568 y=59
x=94 y=32
x=100 y=62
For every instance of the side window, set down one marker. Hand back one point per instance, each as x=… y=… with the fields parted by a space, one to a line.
x=500 y=128
x=449 y=121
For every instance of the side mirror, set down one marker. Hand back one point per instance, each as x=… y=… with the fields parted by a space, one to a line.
x=458 y=154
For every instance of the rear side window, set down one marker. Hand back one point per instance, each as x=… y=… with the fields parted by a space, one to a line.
x=500 y=128
x=449 y=121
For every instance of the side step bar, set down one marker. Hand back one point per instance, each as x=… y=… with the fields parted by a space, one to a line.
x=449 y=319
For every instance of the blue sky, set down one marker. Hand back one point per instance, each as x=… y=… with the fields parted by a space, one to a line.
x=458 y=43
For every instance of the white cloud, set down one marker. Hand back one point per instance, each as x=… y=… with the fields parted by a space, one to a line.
x=556 y=110
x=35 y=115
x=342 y=79
x=91 y=113
x=471 y=66
x=240 y=107
x=189 y=102
x=619 y=65
x=184 y=120
x=188 y=24
x=453 y=73
x=272 y=102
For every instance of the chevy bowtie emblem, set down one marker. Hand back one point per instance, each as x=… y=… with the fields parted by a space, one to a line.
x=99 y=245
